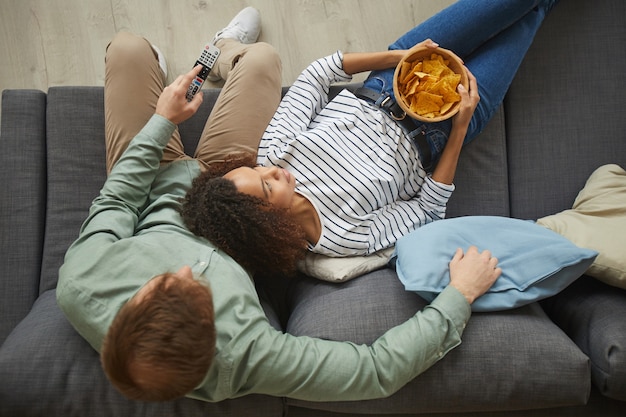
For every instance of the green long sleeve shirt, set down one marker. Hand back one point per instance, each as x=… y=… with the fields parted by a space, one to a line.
x=134 y=232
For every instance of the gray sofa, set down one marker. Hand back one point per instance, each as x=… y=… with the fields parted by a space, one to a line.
x=566 y=356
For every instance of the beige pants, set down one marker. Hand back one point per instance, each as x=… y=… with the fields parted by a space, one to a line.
x=246 y=104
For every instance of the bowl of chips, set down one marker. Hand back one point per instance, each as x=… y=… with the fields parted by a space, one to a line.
x=425 y=83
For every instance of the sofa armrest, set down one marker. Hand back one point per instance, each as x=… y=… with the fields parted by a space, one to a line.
x=22 y=202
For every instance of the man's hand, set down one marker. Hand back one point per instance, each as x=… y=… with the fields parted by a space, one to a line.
x=173 y=104
x=473 y=273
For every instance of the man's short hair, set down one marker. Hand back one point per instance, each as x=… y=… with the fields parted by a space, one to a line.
x=161 y=346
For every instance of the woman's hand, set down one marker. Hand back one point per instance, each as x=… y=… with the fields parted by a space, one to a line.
x=446 y=167
x=469 y=102
x=173 y=104
x=429 y=43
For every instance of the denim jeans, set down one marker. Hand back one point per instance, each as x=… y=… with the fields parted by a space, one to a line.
x=491 y=36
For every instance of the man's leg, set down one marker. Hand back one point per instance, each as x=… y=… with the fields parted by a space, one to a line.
x=247 y=102
x=133 y=83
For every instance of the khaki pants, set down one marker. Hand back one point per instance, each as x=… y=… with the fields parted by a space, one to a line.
x=246 y=104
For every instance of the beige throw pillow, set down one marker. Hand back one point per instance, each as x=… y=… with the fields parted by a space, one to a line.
x=597 y=221
x=343 y=269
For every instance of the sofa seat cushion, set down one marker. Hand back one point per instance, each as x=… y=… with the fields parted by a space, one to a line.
x=526 y=359
x=53 y=371
x=592 y=313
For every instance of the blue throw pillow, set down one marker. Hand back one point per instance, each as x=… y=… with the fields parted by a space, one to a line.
x=536 y=262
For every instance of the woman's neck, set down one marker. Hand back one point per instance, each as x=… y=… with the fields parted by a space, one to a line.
x=306 y=215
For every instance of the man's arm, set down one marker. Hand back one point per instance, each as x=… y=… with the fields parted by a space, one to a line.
x=312 y=369
x=127 y=187
x=131 y=178
x=114 y=214
x=344 y=371
x=261 y=360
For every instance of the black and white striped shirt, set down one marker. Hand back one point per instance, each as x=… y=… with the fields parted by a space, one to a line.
x=352 y=162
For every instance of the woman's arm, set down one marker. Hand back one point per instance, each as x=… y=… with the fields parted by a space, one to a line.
x=304 y=100
x=446 y=167
x=356 y=62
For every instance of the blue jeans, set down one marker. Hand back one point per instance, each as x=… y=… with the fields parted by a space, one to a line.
x=491 y=36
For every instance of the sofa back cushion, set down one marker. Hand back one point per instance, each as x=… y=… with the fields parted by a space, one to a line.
x=482 y=179
x=22 y=202
x=76 y=169
x=76 y=165
x=565 y=108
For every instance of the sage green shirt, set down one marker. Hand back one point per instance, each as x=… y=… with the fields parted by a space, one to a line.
x=134 y=232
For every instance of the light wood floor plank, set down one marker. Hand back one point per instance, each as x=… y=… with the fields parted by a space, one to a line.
x=46 y=43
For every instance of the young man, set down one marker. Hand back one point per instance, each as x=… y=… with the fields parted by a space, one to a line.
x=171 y=314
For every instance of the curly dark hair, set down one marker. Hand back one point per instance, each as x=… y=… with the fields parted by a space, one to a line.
x=257 y=235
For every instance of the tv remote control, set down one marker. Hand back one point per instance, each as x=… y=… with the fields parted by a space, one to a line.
x=207 y=60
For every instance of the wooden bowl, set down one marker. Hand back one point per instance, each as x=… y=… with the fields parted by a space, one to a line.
x=420 y=53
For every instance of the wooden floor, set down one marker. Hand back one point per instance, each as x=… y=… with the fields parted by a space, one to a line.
x=46 y=43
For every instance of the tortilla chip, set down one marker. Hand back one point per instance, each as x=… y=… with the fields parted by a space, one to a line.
x=429 y=86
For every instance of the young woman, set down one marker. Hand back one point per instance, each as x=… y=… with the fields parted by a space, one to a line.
x=343 y=177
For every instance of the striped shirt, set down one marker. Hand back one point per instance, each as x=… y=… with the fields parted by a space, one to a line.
x=353 y=163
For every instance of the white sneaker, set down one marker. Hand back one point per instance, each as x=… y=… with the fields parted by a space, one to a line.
x=245 y=28
x=162 y=61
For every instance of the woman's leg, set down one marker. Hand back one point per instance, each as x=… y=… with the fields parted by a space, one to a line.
x=492 y=38
x=463 y=27
x=467 y=24
x=246 y=103
x=495 y=63
x=133 y=83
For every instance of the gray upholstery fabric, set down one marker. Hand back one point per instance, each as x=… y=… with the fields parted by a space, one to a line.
x=565 y=108
x=505 y=358
x=586 y=311
x=564 y=120
x=22 y=202
x=597 y=406
x=46 y=361
x=76 y=169
x=54 y=372
x=482 y=181
x=191 y=129
x=561 y=119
